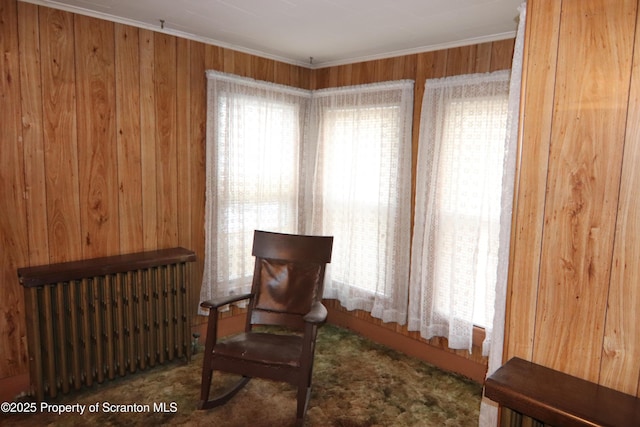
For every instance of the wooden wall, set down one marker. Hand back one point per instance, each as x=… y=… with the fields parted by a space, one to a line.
x=102 y=134
x=574 y=283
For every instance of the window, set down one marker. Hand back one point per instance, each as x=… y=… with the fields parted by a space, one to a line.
x=362 y=194
x=356 y=191
x=468 y=201
x=253 y=160
x=458 y=204
x=333 y=162
x=257 y=174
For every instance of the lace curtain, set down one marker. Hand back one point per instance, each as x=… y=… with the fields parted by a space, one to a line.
x=458 y=196
x=253 y=147
x=489 y=409
x=361 y=140
x=332 y=162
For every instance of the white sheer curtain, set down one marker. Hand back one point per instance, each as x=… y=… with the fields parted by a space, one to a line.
x=458 y=195
x=333 y=162
x=253 y=149
x=360 y=140
x=489 y=409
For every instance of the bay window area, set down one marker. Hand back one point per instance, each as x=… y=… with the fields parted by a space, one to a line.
x=338 y=162
x=333 y=162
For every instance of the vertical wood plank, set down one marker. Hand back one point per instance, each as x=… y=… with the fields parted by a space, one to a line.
x=263 y=69
x=320 y=78
x=540 y=58
x=621 y=352
x=596 y=40
x=185 y=143
x=483 y=58
x=502 y=54
x=166 y=169
x=60 y=134
x=32 y=132
x=360 y=73
x=461 y=60
x=214 y=57
x=35 y=210
x=241 y=64
x=300 y=77
x=344 y=75
x=128 y=136
x=228 y=60
x=336 y=75
x=282 y=73
x=13 y=227
x=148 y=140
x=390 y=68
x=410 y=67
x=430 y=65
x=97 y=151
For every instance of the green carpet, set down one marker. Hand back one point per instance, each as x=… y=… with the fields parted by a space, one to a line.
x=356 y=383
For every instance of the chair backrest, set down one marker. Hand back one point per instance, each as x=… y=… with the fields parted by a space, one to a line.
x=288 y=277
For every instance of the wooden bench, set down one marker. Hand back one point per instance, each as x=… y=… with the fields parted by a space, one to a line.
x=559 y=399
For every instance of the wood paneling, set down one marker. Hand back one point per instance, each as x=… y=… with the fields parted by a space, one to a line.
x=60 y=134
x=165 y=95
x=621 y=350
x=103 y=135
x=32 y=133
x=183 y=133
x=501 y=55
x=542 y=31
x=104 y=142
x=483 y=58
x=462 y=60
x=576 y=246
x=13 y=220
x=128 y=139
x=148 y=139
x=97 y=153
x=583 y=180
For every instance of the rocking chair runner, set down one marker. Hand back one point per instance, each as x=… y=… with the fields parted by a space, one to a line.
x=287 y=292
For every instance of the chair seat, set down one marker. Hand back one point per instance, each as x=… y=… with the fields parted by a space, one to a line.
x=262 y=348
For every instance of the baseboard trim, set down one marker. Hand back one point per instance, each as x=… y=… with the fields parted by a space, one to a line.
x=440 y=358
x=12 y=387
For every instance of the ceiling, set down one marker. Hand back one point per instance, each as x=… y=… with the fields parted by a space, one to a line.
x=314 y=33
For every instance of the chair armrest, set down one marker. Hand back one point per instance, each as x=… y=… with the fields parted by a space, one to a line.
x=317 y=314
x=219 y=302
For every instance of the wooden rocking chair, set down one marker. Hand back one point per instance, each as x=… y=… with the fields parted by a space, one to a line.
x=286 y=292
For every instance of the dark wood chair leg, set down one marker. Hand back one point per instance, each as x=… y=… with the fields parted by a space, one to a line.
x=304 y=392
x=205 y=386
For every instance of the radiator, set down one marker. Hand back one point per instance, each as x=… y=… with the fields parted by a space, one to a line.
x=95 y=320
